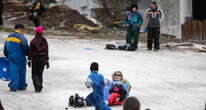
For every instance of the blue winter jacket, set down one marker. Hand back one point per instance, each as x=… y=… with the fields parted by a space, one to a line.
x=16 y=48
x=18 y=42
x=133 y=19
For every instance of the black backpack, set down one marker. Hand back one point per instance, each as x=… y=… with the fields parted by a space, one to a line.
x=111 y=46
x=127 y=47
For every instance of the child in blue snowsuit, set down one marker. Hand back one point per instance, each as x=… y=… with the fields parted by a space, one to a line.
x=97 y=82
x=15 y=49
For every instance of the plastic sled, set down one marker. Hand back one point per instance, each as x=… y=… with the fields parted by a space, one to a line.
x=4 y=69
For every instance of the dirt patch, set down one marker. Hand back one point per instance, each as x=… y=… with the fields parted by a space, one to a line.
x=58 y=18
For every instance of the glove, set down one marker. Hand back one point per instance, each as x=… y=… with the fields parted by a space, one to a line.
x=47 y=64
x=89 y=83
x=29 y=63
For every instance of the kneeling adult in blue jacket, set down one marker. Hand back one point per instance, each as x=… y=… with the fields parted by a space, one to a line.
x=16 y=49
x=97 y=82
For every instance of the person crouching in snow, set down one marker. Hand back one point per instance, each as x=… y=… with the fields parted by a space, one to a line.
x=97 y=82
x=38 y=58
x=118 y=89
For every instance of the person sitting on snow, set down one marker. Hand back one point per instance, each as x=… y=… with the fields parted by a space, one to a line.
x=118 y=89
x=97 y=82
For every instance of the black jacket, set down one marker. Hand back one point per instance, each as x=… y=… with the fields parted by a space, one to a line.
x=122 y=93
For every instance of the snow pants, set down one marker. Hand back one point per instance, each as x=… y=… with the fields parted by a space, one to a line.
x=132 y=35
x=17 y=74
x=113 y=99
x=38 y=64
x=97 y=102
x=153 y=36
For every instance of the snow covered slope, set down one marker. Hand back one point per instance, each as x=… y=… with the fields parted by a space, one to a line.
x=164 y=80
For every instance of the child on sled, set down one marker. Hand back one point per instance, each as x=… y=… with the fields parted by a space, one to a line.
x=118 y=89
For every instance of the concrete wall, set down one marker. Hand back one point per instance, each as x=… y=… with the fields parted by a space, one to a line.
x=171 y=23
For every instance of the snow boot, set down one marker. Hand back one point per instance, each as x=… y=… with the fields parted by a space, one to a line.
x=87 y=102
x=78 y=101
x=71 y=100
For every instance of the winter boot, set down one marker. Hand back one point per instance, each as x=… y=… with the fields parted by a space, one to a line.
x=78 y=101
x=87 y=102
x=71 y=100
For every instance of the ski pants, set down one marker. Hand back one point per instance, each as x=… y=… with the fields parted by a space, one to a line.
x=153 y=36
x=97 y=102
x=38 y=64
x=132 y=35
x=17 y=75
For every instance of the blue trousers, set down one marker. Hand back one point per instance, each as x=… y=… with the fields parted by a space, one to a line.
x=17 y=76
x=97 y=102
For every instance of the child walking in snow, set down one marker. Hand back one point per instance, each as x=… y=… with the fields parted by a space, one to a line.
x=38 y=58
x=118 y=89
x=97 y=82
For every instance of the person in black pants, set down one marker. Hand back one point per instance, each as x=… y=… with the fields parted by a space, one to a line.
x=154 y=17
x=1 y=11
x=38 y=58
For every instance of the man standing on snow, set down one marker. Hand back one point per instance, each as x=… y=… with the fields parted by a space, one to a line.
x=15 y=49
x=154 y=17
x=133 y=22
x=1 y=11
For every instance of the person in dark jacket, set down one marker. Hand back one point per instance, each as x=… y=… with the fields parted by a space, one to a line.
x=1 y=11
x=154 y=17
x=133 y=22
x=16 y=49
x=38 y=58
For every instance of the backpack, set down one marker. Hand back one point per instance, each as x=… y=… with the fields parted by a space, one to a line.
x=4 y=69
x=111 y=46
x=127 y=47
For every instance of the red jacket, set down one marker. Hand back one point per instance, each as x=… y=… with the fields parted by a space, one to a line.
x=38 y=47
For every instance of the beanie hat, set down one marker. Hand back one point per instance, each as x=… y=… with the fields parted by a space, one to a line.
x=94 y=66
x=19 y=25
x=39 y=30
x=133 y=6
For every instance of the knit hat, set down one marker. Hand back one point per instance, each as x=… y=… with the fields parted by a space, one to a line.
x=94 y=66
x=39 y=30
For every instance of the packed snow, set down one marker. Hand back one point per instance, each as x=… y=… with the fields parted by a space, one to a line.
x=164 y=80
